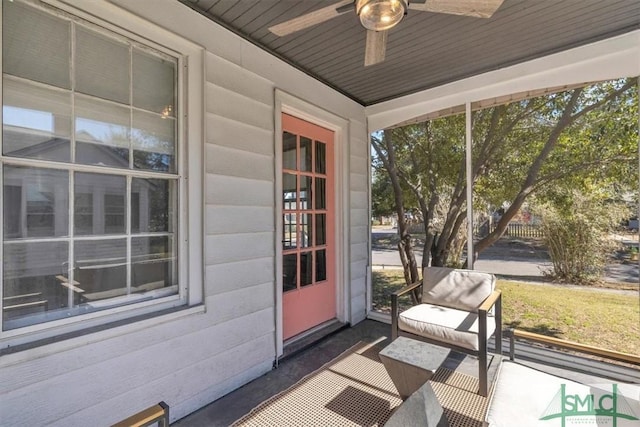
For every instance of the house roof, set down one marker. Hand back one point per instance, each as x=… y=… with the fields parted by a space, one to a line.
x=425 y=49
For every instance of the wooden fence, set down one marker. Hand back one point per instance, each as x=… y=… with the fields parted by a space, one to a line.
x=516 y=229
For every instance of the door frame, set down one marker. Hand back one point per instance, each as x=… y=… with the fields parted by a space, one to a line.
x=289 y=104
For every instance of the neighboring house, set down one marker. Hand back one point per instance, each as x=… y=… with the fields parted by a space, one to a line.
x=164 y=180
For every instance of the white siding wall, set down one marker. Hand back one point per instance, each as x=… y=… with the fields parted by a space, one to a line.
x=359 y=223
x=189 y=361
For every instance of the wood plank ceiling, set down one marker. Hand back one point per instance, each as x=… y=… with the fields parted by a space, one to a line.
x=425 y=49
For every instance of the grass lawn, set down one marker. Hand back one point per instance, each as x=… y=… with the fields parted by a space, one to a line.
x=587 y=316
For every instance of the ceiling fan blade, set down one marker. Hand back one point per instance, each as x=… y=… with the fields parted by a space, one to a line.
x=376 y=47
x=475 y=8
x=310 y=19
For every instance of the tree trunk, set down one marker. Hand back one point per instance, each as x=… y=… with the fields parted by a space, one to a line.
x=405 y=249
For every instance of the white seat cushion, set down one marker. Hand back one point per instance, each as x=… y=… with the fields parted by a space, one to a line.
x=444 y=324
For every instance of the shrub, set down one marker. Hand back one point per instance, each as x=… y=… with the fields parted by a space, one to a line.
x=577 y=237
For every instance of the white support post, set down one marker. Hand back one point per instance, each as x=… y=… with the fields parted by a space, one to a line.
x=469 y=161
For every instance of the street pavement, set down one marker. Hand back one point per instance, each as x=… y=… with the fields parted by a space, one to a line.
x=510 y=259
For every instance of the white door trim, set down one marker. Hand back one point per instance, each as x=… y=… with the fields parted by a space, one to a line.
x=289 y=104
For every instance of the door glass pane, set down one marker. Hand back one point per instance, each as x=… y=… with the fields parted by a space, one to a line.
x=153 y=141
x=289 y=231
x=102 y=66
x=155 y=205
x=36 y=122
x=305 y=154
x=321 y=265
x=153 y=263
x=39 y=50
x=306 y=268
x=305 y=192
x=101 y=268
x=321 y=193
x=305 y=230
x=321 y=157
x=153 y=79
x=321 y=229
x=289 y=263
x=289 y=192
x=107 y=213
x=30 y=285
x=289 y=151
x=102 y=133
x=39 y=204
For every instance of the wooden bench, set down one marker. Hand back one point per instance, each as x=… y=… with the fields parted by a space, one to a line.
x=524 y=395
x=158 y=413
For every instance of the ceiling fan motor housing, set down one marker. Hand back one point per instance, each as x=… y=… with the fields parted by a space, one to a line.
x=380 y=15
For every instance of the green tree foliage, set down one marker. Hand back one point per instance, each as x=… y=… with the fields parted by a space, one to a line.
x=584 y=138
x=381 y=195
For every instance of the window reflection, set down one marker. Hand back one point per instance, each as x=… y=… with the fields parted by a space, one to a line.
x=289 y=151
x=102 y=133
x=321 y=265
x=321 y=157
x=289 y=276
x=153 y=141
x=36 y=202
x=36 y=51
x=152 y=205
x=321 y=227
x=102 y=66
x=36 y=122
x=321 y=193
x=153 y=263
x=153 y=88
x=31 y=288
x=306 y=155
x=289 y=192
x=289 y=230
x=106 y=213
x=305 y=192
x=83 y=213
x=306 y=268
x=100 y=269
x=305 y=230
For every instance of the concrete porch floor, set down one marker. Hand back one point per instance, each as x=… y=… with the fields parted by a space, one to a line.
x=294 y=367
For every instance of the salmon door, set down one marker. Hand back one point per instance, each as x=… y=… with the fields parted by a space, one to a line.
x=308 y=265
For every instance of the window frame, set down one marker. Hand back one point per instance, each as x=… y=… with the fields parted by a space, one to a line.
x=189 y=169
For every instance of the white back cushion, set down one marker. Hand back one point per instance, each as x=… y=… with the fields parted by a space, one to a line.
x=455 y=288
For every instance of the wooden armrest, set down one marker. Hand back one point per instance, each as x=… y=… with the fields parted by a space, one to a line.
x=158 y=412
x=394 y=305
x=571 y=345
x=490 y=301
x=406 y=289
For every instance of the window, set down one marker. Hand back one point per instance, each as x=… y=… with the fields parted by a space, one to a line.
x=90 y=171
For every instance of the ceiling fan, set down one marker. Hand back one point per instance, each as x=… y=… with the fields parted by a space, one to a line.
x=378 y=16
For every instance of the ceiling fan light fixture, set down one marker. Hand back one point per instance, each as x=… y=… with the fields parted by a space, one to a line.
x=380 y=15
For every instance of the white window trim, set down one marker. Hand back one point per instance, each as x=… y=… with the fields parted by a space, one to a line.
x=190 y=155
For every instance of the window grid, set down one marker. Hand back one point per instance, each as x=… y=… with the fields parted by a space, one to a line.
x=73 y=168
